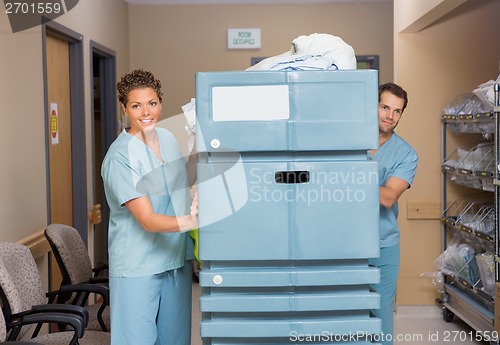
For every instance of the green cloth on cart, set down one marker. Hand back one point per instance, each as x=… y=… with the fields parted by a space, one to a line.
x=194 y=235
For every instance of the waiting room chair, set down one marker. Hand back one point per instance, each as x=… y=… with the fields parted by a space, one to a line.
x=24 y=320
x=23 y=297
x=74 y=263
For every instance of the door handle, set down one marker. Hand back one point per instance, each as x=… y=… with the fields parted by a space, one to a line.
x=95 y=216
x=292 y=177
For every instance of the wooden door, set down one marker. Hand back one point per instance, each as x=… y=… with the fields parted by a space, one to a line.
x=60 y=155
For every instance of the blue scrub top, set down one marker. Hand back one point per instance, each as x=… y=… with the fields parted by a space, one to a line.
x=396 y=158
x=130 y=170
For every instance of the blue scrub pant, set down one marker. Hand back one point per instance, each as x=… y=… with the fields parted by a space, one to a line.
x=388 y=263
x=152 y=310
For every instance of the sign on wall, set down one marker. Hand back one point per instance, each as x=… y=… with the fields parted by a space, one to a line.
x=54 y=125
x=243 y=38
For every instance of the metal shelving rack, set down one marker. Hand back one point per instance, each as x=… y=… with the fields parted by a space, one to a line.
x=467 y=299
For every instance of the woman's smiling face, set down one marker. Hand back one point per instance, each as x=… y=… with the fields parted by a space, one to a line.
x=143 y=109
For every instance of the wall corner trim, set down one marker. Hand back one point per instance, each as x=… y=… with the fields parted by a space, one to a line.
x=37 y=243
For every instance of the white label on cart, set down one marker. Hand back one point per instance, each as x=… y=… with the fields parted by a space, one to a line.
x=217 y=279
x=250 y=103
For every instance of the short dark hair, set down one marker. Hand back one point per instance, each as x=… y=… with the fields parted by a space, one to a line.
x=137 y=79
x=396 y=90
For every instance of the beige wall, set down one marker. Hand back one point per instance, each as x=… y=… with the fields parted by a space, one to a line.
x=22 y=145
x=177 y=41
x=450 y=57
x=173 y=41
x=22 y=176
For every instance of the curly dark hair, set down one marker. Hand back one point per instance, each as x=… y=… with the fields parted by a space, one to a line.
x=137 y=79
x=396 y=90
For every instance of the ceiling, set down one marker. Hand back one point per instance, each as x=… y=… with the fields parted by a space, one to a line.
x=235 y=2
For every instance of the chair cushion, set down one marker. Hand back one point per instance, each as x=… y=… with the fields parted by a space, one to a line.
x=3 y=329
x=72 y=250
x=63 y=338
x=93 y=324
x=22 y=290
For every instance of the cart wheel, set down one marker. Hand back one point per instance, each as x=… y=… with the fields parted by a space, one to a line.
x=448 y=315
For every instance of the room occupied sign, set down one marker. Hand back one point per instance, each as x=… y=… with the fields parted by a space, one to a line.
x=243 y=38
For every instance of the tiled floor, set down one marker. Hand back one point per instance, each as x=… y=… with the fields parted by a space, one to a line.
x=195 y=327
x=424 y=325
x=413 y=325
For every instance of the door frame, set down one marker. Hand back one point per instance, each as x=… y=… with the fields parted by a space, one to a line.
x=78 y=145
x=108 y=105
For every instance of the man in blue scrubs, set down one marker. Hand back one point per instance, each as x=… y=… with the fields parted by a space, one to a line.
x=397 y=166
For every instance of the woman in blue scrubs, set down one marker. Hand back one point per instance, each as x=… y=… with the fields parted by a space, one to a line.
x=150 y=254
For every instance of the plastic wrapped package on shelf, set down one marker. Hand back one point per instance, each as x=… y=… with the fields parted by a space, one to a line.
x=456 y=105
x=467 y=113
x=477 y=219
x=473 y=218
x=450 y=164
x=472 y=106
x=459 y=261
x=476 y=158
x=484 y=167
x=486 y=264
x=454 y=114
x=486 y=92
x=467 y=181
x=471 y=166
x=484 y=222
x=467 y=258
x=487 y=184
x=482 y=156
x=469 y=267
x=465 y=169
x=486 y=126
x=460 y=206
x=460 y=158
x=448 y=261
x=450 y=215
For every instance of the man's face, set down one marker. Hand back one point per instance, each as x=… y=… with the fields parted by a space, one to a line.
x=390 y=109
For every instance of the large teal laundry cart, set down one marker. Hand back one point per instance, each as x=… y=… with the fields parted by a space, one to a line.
x=288 y=206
